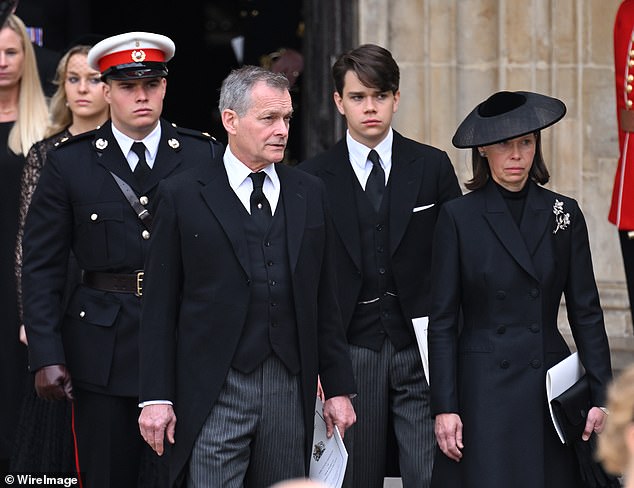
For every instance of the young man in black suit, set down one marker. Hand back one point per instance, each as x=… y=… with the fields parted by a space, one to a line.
x=240 y=314
x=95 y=197
x=385 y=192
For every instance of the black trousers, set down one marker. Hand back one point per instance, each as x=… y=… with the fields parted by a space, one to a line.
x=111 y=451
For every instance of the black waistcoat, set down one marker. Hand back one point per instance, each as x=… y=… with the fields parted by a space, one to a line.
x=382 y=316
x=270 y=325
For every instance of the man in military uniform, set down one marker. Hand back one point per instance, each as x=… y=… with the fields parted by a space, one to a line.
x=95 y=198
x=622 y=205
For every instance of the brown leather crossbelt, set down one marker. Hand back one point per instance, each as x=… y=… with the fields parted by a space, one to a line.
x=115 y=282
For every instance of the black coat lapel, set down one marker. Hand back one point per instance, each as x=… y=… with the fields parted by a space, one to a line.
x=168 y=157
x=221 y=201
x=110 y=156
x=503 y=226
x=537 y=215
x=340 y=179
x=294 y=208
x=405 y=179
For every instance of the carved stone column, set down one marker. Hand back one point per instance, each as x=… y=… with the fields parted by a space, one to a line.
x=330 y=30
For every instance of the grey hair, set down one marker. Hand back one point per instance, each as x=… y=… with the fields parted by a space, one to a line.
x=235 y=92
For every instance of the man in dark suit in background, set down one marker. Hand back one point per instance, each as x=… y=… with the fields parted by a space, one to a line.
x=95 y=198
x=385 y=192
x=240 y=313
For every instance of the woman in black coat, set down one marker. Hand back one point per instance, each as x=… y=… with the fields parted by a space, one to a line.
x=503 y=256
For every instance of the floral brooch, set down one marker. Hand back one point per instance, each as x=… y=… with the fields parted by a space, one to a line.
x=561 y=219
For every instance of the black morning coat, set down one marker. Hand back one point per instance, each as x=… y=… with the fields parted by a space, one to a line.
x=78 y=206
x=422 y=179
x=198 y=275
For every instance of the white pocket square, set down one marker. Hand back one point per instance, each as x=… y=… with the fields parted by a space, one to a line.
x=424 y=207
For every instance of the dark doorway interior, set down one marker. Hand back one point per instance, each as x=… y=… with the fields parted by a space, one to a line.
x=202 y=31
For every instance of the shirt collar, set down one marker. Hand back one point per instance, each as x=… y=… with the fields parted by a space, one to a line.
x=151 y=141
x=238 y=172
x=358 y=152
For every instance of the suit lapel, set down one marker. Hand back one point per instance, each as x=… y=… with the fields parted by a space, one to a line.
x=294 y=208
x=340 y=179
x=537 y=215
x=168 y=157
x=221 y=201
x=110 y=156
x=405 y=179
x=503 y=226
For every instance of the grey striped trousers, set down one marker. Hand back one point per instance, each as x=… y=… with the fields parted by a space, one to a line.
x=254 y=434
x=391 y=385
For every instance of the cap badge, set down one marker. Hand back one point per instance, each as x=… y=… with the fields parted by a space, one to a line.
x=138 y=56
x=173 y=143
x=101 y=143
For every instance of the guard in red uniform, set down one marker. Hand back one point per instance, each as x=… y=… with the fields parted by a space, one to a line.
x=622 y=208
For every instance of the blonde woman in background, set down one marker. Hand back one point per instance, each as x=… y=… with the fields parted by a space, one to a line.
x=78 y=105
x=44 y=439
x=616 y=443
x=23 y=121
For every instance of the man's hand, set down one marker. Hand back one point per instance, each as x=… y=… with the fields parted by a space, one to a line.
x=22 y=335
x=594 y=423
x=155 y=422
x=448 y=429
x=53 y=383
x=338 y=411
x=320 y=391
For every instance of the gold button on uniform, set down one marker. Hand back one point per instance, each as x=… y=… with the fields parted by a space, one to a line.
x=144 y=200
x=145 y=234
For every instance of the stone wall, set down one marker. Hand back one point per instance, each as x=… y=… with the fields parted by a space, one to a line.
x=455 y=53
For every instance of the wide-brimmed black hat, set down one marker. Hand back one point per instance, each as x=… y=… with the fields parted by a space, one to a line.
x=505 y=115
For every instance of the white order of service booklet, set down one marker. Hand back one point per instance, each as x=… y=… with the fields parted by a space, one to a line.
x=329 y=457
x=420 y=329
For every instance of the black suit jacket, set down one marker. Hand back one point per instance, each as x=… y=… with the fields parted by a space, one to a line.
x=195 y=304
x=78 y=206
x=421 y=179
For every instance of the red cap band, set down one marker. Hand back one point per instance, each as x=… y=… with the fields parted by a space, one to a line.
x=131 y=56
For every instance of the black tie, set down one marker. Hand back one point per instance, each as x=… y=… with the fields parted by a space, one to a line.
x=142 y=169
x=260 y=207
x=375 y=186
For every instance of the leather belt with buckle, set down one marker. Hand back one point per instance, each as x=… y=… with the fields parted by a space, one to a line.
x=115 y=282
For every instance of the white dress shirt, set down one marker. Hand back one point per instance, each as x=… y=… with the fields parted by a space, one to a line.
x=358 y=154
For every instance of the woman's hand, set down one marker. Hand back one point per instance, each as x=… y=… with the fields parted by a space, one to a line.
x=448 y=429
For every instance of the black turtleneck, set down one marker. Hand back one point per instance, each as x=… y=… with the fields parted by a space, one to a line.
x=515 y=200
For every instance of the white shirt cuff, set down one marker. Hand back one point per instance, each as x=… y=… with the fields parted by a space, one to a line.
x=155 y=402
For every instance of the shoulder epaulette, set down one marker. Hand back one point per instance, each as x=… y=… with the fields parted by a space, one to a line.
x=65 y=141
x=192 y=132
